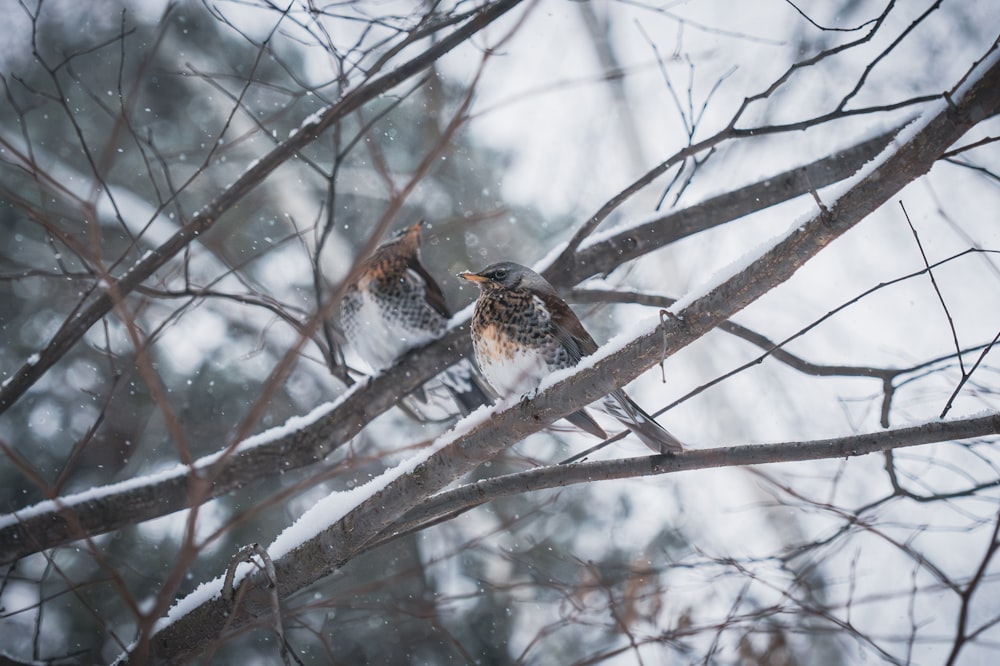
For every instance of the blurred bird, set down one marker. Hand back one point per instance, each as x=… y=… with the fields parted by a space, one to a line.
x=394 y=306
x=522 y=331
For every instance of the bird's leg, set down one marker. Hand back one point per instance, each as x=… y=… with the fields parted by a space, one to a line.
x=667 y=314
x=527 y=397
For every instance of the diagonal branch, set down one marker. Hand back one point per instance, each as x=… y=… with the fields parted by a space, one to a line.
x=486 y=433
x=602 y=256
x=53 y=524
x=299 y=443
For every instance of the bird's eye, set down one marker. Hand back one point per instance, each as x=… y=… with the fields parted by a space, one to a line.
x=500 y=274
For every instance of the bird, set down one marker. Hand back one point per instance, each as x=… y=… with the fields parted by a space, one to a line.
x=395 y=305
x=522 y=331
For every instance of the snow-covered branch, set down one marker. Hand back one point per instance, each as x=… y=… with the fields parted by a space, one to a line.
x=57 y=522
x=485 y=432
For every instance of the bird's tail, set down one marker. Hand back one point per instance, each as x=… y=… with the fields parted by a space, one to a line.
x=632 y=416
x=471 y=391
x=466 y=386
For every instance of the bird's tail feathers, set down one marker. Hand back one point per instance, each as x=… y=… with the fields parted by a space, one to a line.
x=645 y=427
x=467 y=386
x=586 y=422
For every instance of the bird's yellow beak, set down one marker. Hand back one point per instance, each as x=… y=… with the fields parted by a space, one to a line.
x=472 y=277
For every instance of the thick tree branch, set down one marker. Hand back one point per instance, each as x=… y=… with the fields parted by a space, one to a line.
x=319 y=556
x=49 y=526
x=57 y=522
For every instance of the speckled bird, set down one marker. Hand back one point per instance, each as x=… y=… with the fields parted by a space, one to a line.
x=522 y=331
x=395 y=305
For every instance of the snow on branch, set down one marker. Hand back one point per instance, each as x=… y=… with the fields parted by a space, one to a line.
x=54 y=523
x=300 y=442
x=487 y=432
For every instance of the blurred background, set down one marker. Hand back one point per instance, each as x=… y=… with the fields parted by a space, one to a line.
x=121 y=119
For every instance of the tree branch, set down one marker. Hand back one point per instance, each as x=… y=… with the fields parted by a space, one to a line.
x=602 y=257
x=47 y=525
x=488 y=433
x=463 y=498
x=61 y=520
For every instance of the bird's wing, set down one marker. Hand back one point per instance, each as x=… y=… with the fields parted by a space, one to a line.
x=568 y=329
x=584 y=421
x=435 y=297
x=571 y=333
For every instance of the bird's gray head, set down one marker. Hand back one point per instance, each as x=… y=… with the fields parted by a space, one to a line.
x=508 y=275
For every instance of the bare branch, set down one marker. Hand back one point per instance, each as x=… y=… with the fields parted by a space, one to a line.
x=314 y=442
x=603 y=256
x=39 y=530
x=448 y=504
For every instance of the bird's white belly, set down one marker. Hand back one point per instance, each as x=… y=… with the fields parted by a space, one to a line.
x=380 y=340
x=515 y=375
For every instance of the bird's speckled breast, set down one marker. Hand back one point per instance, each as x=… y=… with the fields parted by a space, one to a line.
x=386 y=314
x=513 y=341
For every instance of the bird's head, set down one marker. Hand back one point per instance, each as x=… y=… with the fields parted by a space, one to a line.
x=407 y=238
x=507 y=275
